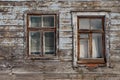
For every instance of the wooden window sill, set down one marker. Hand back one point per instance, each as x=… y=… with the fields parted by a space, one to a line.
x=42 y=57
x=2 y=58
x=91 y=61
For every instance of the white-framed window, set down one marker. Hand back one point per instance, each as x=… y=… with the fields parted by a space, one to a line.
x=89 y=33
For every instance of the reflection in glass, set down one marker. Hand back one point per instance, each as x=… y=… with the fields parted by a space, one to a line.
x=35 y=21
x=49 y=42
x=84 y=50
x=96 y=46
x=48 y=21
x=34 y=42
x=83 y=35
x=84 y=24
x=96 y=24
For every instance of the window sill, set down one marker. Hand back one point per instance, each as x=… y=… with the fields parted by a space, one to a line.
x=31 y=57
x=91 y=61
x=91 y=66
x=1 y=58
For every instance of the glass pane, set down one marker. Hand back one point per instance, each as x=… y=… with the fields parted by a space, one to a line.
x=83 y=35
x=84 y=49
x=48 y=21
x=35 y=21
x=34 y=42
x=49 y=43
x=84 y=24
x=97 y=45
x=96 y=23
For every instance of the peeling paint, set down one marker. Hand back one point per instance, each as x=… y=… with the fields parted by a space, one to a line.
x=13 y=41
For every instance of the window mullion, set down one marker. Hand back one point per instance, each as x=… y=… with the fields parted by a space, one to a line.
x=90 y=38
x=42 y=37
x=42 y=50
x=42 y=20
x=90 y=44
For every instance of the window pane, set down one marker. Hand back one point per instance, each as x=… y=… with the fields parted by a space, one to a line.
x=83 y=35
x=48 y=21
x=49 y=42
x=34 y=42
x=35 y=21
x=97 y=45
x=84 y=50
x=84 y=24
x=96 y=23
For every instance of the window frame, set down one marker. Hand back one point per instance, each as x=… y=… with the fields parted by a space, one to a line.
x=89 y=32
x=42 y=31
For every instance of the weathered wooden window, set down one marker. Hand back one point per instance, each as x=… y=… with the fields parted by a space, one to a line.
x=41 y=32
x=91 y=41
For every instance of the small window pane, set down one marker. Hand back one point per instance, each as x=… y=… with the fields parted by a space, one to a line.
x=84 y=49
x=48 y=21
x=35 y=21
x=97 y=45
x=34 y=42
x=49 y=42
x=83 y=35
x=84 y=24
x=96 y=23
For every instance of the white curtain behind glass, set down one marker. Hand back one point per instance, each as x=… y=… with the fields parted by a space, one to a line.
x=83 y=48
x=96 y=46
